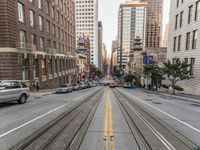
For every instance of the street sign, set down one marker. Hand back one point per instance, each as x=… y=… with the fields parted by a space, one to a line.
x=148 y=59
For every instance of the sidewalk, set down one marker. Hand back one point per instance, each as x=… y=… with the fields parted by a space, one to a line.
x=43 y=92
x=185 y=97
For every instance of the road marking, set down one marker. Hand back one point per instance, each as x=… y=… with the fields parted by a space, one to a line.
x=167 y=144
x=186 y=124
x=41 y=116
x=108 y=125
x=111 y=127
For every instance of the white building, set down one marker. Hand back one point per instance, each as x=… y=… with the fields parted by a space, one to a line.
x=87 y=24
x=184 y=40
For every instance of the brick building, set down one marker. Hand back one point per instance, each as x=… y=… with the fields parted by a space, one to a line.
x=37 y=41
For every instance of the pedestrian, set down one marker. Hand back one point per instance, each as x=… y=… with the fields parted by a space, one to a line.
x=33 y=86
x=149 y=86
x=37 y=86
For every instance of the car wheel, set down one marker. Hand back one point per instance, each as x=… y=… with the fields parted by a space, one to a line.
x=22 y=99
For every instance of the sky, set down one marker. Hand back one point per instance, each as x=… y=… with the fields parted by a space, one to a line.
x=108 y=12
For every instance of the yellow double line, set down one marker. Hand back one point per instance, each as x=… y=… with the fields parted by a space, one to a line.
x=108 y=126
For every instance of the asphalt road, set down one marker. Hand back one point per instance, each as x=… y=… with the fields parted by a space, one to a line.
x=19 y=121
x=108 y=129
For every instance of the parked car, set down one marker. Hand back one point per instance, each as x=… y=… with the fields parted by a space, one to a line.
x=14 y=91
x=76 y=87
x=83 y=86
x=65 y=88
x=127 y=85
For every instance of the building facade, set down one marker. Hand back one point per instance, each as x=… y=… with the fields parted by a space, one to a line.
x=131 y=25
x=165 y=37
x=100 y=46
x=37 y=41
x=87 y=25
x=154 y=22
x=184 y=40
x=83 y=59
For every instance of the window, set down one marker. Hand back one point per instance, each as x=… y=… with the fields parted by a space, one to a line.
x=33 y=41
x=190 y=14
x=177 y=3
x=57 y=16
x=6 y=84
x=188 y=41
x=197 y=10
x=53 y=29
x=181 y=19
x=179 y=42
x=47 y=7
x=23 y=84
x=50 y=66
x=48 y=27
x=22 y=35
x=192 y=63
x=32 y=18
x=43 y=66
x=15 y=85
x=176 y=22
x=41 y=43
x=21 y=12
x=36 y=68
x=41 y=23
x=52 y=12
x=174 y=44
x=194 y=39
x=40 y=4
x=186 y=60
x=25 y=72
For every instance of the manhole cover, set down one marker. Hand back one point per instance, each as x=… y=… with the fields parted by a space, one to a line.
x=149 y=100
x=157 y=103
x=197 y=105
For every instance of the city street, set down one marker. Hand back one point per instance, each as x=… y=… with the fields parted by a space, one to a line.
x=120 y=119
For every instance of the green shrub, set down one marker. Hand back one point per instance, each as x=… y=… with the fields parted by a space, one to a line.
x=165 y=86
x=178 y=88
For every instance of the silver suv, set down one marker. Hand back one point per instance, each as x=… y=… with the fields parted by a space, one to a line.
x=13 y=91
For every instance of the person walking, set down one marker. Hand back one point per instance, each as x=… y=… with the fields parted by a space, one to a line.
x=37 y=86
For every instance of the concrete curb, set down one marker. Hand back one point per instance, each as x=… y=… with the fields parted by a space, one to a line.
x=195 y=100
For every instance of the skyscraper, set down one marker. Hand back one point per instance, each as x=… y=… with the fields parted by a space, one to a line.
x=100 y=45
x=131 y=26
x=87 y=25
x=154 y=22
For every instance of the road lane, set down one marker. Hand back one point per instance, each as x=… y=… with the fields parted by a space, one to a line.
x=108 y=122
x=20 y=121
x=176 y=113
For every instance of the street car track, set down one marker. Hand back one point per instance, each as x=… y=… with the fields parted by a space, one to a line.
x=149 y=130
x=66 y=130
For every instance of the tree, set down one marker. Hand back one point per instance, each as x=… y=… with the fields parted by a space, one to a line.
x=95 y=72
x=154 y=72
x=129 y=78
x=176 y=71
